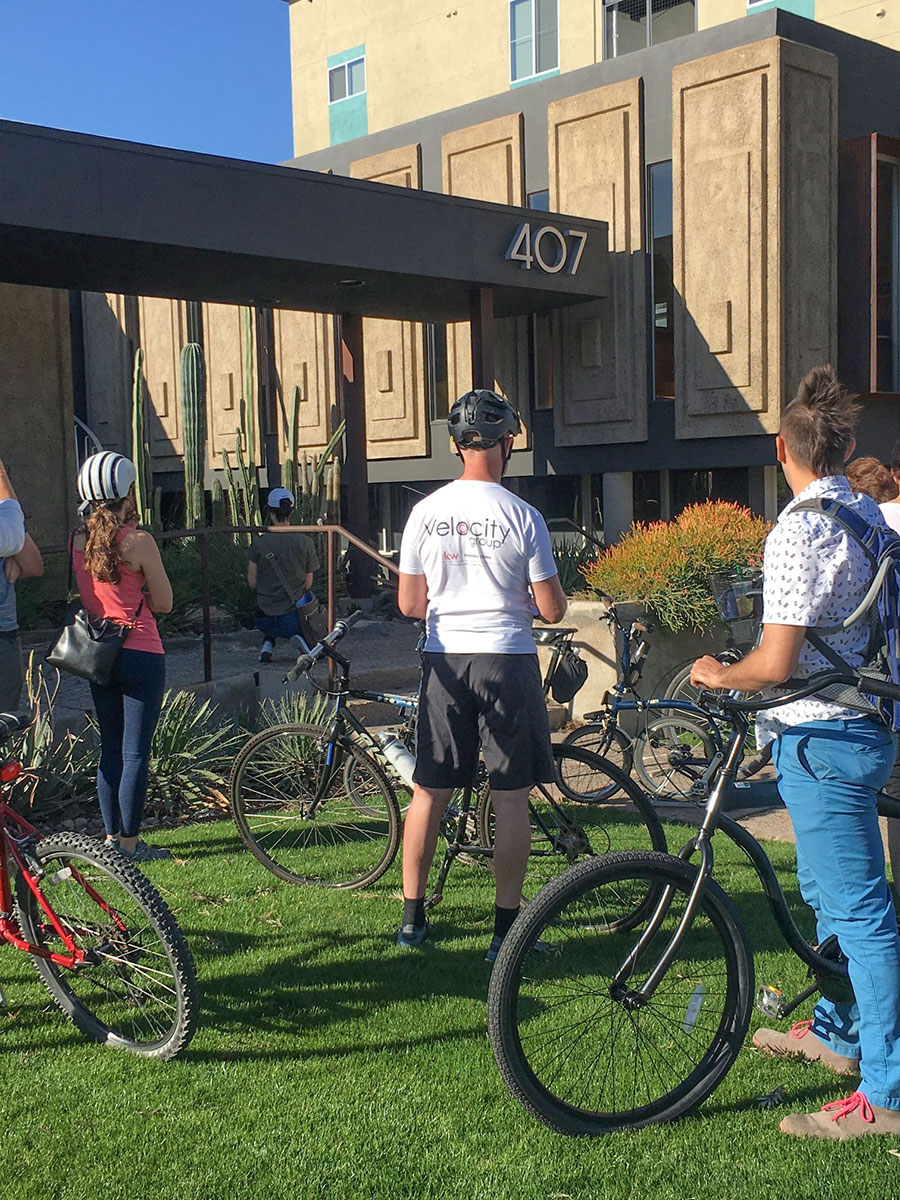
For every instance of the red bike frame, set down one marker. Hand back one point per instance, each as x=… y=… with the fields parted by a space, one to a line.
x=15 y=832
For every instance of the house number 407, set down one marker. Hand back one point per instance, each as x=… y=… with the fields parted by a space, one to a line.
x=548 y=247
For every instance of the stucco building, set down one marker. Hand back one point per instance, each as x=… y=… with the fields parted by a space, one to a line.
x=745 y=156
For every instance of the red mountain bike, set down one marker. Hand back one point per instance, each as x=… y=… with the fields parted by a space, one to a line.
x=101 y=938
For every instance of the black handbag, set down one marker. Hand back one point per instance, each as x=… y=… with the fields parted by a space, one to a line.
x=88 y=646
x=569 y=677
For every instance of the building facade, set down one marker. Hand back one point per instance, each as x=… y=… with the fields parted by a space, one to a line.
x=745 y=158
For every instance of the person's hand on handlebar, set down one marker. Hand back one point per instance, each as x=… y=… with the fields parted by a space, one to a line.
x=708 y=672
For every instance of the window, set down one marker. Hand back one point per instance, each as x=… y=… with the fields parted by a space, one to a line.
x=635 y=24
x=348 y=79
x=887 y=285
x=533 y=38
x=661 y=266
x=538 y=200
x=436 y=378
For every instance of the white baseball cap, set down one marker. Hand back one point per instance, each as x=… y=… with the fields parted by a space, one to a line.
x=276 y=495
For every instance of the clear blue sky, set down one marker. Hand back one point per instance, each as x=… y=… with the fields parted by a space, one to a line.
x=207 y=75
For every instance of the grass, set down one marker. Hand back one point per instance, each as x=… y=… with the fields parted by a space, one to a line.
x=330 y=1063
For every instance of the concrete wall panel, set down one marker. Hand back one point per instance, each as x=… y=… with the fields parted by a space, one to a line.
x=36 y=410
x=163 y=326
x=486 y=162
x=224 y=351
x=754 y=182
x=596 y=171
x=304 y=358
x=109 y=369
x=394 y=351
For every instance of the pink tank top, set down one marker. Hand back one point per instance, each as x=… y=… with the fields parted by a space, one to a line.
x=120 y=601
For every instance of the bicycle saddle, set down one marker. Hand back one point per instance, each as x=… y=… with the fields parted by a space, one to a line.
x=545 y=636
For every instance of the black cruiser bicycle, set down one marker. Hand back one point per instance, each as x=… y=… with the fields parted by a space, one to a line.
x=639 y=1000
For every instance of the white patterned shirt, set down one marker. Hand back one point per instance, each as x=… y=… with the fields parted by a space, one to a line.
x=814 y=573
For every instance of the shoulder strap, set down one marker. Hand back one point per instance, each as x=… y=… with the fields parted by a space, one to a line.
x=863 y=533
x=282 y=578
x=858 y=527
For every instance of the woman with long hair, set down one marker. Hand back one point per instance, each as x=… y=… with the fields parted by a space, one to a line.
x=120 y=575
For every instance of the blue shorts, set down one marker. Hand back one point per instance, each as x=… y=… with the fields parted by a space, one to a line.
x=285 y=626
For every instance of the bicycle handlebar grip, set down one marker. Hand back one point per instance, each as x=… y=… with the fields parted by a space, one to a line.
x=351 y=619
x=303 y=664
x=602 y=596
x=879 y=687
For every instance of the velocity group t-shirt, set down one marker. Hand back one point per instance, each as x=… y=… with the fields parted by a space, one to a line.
x=479 y=547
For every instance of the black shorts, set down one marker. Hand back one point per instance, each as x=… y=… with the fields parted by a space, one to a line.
x=494 y=699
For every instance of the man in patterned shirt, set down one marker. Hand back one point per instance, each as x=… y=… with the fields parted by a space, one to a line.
x=830 y=761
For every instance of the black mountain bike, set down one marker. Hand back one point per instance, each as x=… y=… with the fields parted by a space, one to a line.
x=316 y=803
x=638 y=1006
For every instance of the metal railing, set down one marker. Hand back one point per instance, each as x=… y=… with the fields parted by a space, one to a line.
x=332 y=533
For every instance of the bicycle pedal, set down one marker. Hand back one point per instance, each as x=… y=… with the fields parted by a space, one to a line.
x=770 y=1001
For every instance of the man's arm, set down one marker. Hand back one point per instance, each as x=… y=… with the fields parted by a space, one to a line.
x=412 y=596
x=12 y=519
x=251 y=574
x=550 y=599
x=773 y=661
x=27 y=564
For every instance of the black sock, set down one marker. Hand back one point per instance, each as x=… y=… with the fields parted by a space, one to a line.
x=503 y=920
x=414 y=912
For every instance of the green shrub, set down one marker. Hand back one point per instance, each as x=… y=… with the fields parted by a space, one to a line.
x=573 y=559
x=56 y=770
x=666 y=565
x=191 y=754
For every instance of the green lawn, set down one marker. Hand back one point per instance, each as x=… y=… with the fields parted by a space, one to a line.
x=329 y=1063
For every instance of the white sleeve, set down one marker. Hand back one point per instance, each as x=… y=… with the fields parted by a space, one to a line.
x=12 y=528
x=410 y=560
x=541 y=563
x=795 y=589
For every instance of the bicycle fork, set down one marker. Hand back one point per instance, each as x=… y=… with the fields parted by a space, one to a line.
x=637 y=998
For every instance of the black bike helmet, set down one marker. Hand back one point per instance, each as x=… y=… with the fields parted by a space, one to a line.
x=482 y=419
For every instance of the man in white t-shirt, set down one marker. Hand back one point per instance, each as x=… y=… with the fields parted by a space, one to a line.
x=476 y=563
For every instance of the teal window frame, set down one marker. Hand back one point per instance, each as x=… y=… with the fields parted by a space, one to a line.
x=532 y=40
x=348 y=115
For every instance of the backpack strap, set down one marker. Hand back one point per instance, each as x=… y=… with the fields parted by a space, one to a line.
x=865 y=536
x=858 y=527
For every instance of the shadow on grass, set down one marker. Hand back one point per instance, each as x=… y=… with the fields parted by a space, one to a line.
x=302 y=991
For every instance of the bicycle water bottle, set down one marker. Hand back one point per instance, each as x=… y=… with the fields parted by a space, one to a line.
x=399 y=756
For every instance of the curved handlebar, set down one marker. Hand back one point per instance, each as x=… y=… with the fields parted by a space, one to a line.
x=816 y=683
x=307 y=661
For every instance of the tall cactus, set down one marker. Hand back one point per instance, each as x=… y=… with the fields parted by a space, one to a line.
x=193 y=410
x=289 y=470
x=140 y=449
x=219 y=514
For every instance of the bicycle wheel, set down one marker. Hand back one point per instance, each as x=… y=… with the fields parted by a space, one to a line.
x=613 y=745
x=680 y=687
x=348 y=838
x=586 y=1053
x=671 y=754
x=137 y=988
x=566 y=827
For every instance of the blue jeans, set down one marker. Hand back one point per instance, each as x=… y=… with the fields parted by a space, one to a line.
x=828 y=774
x=127 y=708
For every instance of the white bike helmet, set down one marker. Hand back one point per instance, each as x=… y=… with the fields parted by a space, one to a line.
x=106 y=476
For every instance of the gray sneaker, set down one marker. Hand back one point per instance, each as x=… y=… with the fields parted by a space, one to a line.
x=496 y=942
x=412 y=936
x=143 y=852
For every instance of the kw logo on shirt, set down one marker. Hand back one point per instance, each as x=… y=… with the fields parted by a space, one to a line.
x=479 y=533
